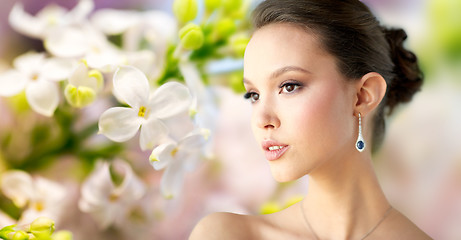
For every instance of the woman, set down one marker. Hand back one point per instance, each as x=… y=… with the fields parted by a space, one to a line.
x=320 y=75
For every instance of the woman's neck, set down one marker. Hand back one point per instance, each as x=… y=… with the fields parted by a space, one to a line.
x=344 y=193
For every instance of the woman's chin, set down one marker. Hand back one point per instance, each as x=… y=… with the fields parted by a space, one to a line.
x=284 y=175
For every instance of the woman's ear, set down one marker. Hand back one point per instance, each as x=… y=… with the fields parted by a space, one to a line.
x=371 y=89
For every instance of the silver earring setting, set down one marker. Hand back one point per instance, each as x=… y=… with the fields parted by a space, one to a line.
x=360 y=143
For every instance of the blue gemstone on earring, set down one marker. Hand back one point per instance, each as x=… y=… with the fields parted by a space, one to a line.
x=360 y=145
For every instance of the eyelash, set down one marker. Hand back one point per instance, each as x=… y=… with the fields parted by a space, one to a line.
x=253 y=96
x=285 y=84
x=250 y=96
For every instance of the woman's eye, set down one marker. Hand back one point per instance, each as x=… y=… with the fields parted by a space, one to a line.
x=252 y=96
x=289 y=87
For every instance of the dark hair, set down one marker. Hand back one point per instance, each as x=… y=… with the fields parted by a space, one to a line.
x=349 y=31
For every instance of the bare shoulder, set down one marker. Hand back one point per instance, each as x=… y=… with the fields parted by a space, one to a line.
x=222 y=226
x=400 y=227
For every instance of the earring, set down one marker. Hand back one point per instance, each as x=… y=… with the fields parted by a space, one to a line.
x=360 y=144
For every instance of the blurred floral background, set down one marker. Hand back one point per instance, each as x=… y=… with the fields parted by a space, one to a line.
x=125 y=119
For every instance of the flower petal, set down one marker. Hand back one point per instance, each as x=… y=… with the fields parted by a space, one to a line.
x=153 y=132
x=57 y=69
x=113 y=21
x=43 y=97
x=96 y=188
x=194 y=140
x=51 y=14
x=119 y=124
x=67 y=41
x=144 y=60
x=29 y=63
x=189 y=157
x=52 y=192
x=12 y=82
x=162 y=27
x=51 y=197
x=80 y=77
x=25 y=23
x=96 y=192
x=162 y=155
x=132 y=86
x=132 y=188
x=6 y=220
x=179 y=126
x=105 y=59
x=172 y=179
x=81 y=10
x=18 y=186
x=170 y=99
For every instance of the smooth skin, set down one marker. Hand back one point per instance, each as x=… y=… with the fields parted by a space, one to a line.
x=300 y=99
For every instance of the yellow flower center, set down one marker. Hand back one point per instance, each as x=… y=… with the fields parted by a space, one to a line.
x=39 y=206
x=142 y=111
x=113 y=197
x=174 y=152
x=96 y=49
x=34 y=76
x=52 y=20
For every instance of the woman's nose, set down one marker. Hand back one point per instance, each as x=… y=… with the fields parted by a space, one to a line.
x=265 y=116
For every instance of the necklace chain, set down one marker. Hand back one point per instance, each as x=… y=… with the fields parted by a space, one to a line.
x=364 y=236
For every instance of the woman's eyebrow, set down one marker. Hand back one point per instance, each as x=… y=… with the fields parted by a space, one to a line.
x=281 y=71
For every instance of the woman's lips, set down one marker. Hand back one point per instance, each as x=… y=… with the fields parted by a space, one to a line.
x=273 y=150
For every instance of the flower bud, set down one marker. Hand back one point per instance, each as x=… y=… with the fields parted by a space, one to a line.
x=42 y=227
x=236 y=82
x=232 y=5
x=6 y=231
x=62 y=235
x=225 y=27
x=20 y=235
x=99 y=78
x=79 y=97
x=211 y=5
x=239 y=44
x=19 y=102
x=191 y=36
x=185 y=10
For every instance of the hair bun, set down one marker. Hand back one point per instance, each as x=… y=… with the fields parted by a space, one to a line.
x=408 y=78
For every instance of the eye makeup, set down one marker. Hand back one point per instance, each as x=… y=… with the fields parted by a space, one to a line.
x=289 y=86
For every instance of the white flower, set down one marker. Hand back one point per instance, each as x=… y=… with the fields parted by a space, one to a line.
x=39 y=196
x=83 y=86
x=204 y=108
x=100 y=53
x=146 y=110
x=137 y=28
x=178 y=158
x=144 y=60
x=80 y=41
x=38 y=77
x=48 y=18
x=104 y=200
x=114 y=21
x=66 y=33
x=6 y=220
x=69 y=41
x=157 y=27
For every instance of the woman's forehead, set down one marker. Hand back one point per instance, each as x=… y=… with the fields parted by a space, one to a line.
x=276 y=46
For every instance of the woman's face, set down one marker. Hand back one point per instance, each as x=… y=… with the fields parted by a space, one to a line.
x=302 y=106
